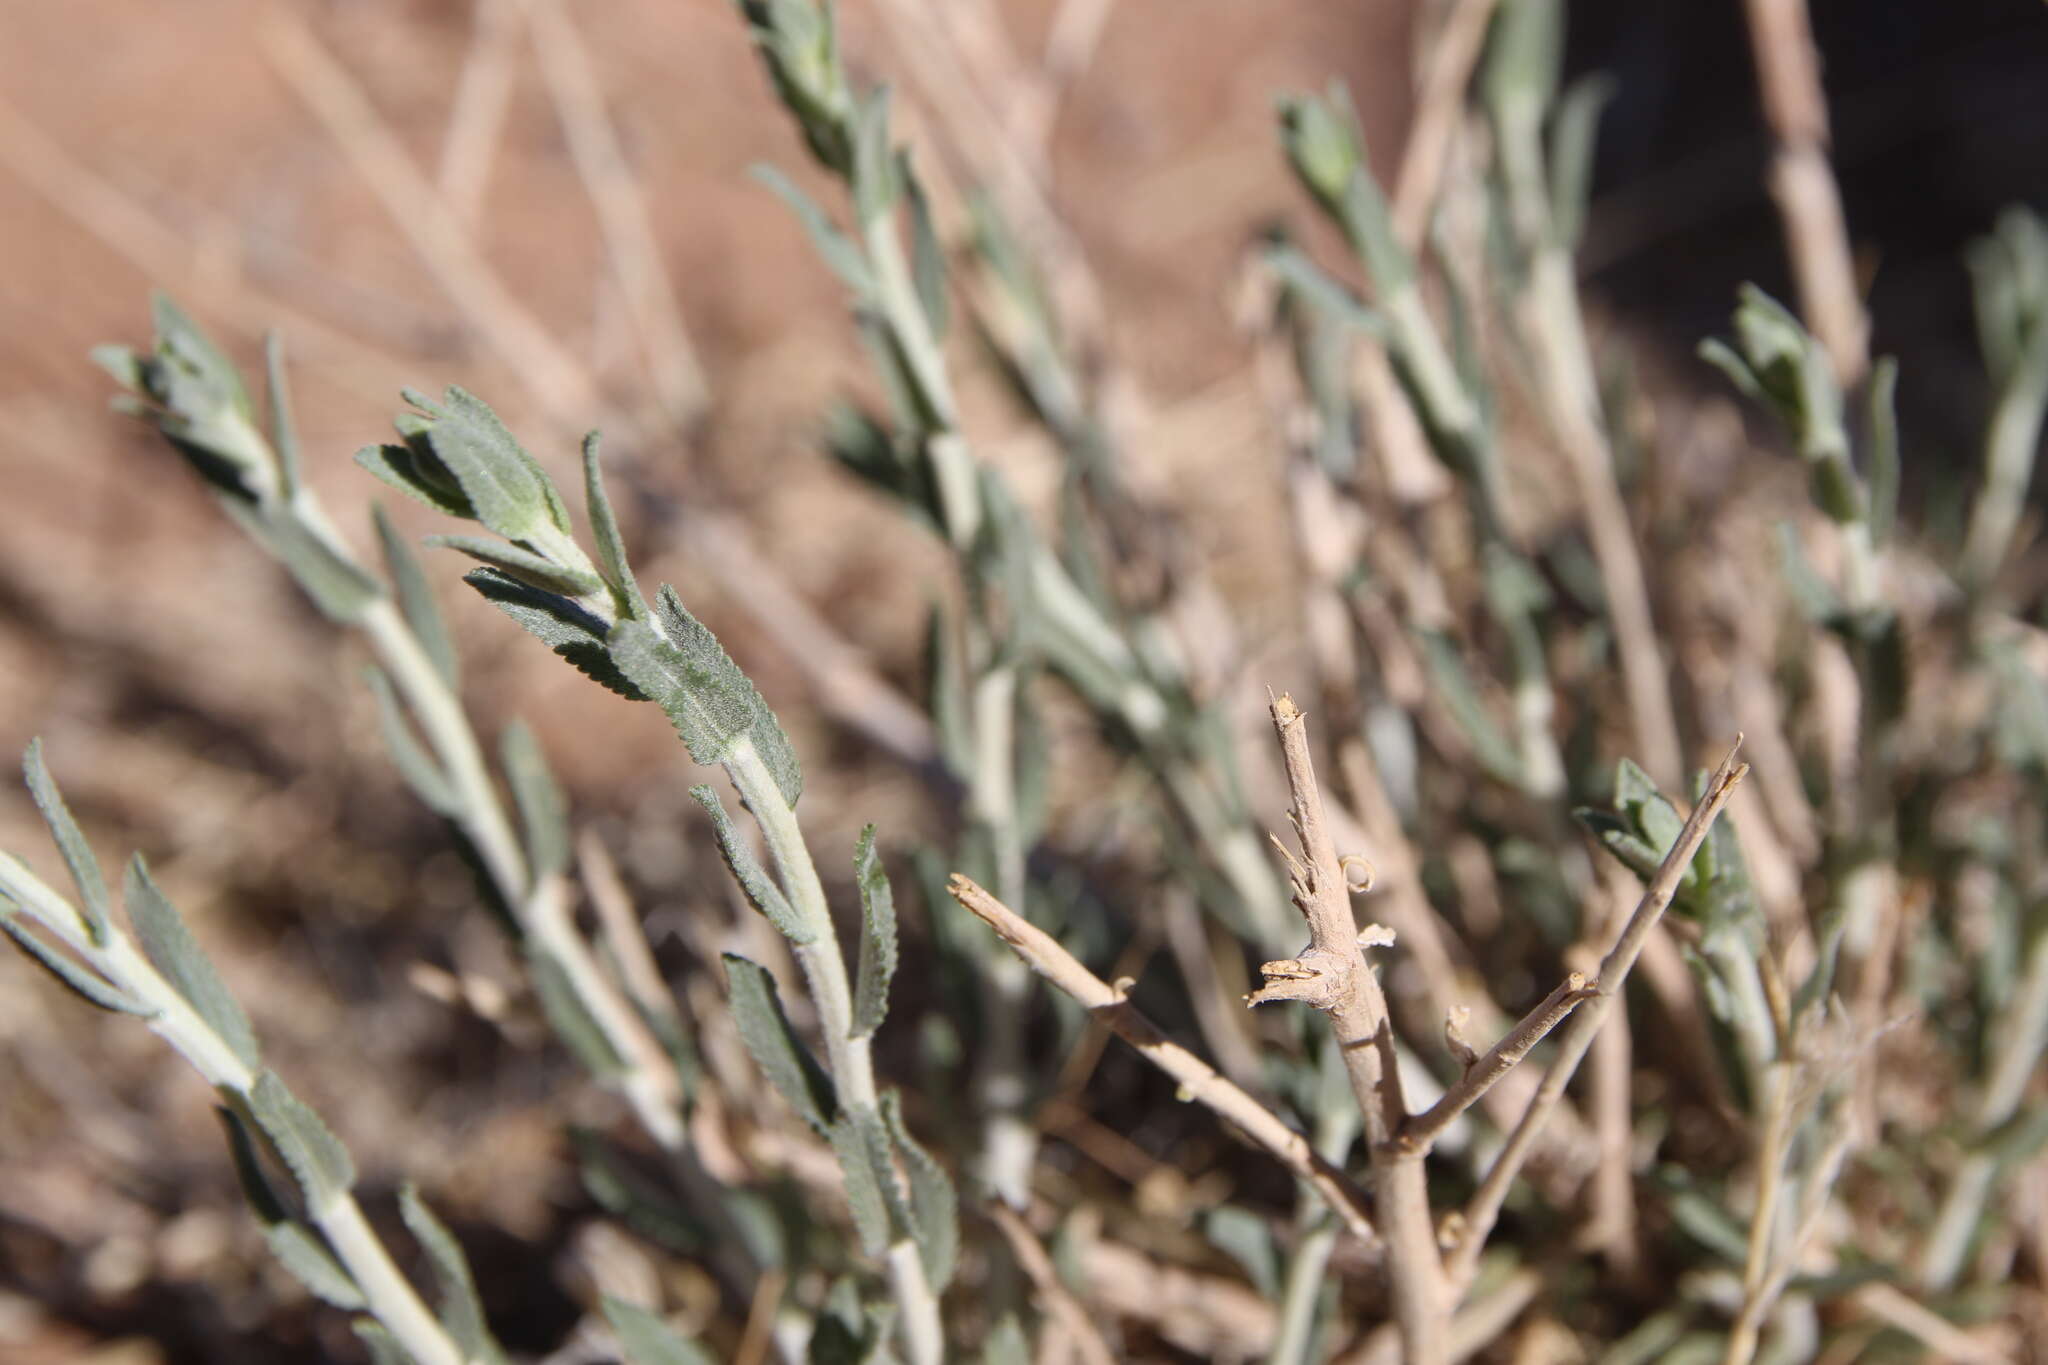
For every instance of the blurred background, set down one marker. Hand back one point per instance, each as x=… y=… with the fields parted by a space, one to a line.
x=431 y=193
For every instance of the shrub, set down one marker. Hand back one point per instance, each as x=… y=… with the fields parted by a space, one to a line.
x=1729 y=1179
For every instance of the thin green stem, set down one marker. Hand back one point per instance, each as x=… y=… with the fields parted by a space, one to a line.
x=540 y=907
x=387 y=1295
x=848 y=1056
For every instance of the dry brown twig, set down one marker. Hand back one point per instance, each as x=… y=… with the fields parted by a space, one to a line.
x=483 y=97
x=1201 y=1081
x=1477 y=1220
x=1331 y=975
x=613 y=189
x=1803 y=184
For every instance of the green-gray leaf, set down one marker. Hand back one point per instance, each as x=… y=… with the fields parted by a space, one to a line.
x=1574 y=132
x=73 y=976
x=564 y=626
x=861 y=1142
x=71 y=842
x=298 y=1248
x=314 y=1156
x=461 y=1312
x=1309 y=283
x=782 y=1057
x=927 y=254
x=542 y=810
x=611 y=545
x=264 y=1201
x=419 y=769
x=173 y=951
x=418 y=476
x=524 y=565
x=284 y=435
x=711 y=703
x=760 y=889
x=934 y=1204
x=877 y=937
x=647 y=1339
x=416 y=599
x=570 y=1017
x=335 y=583
x=874 y=166
x=510 y=492
x=836 y=247
x=299 y=1251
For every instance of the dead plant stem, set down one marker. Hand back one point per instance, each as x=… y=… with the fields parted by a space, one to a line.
x=1332 y=975
x=1201 y=1081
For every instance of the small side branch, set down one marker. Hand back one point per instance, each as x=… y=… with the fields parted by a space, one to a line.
x=1479 y=1216
x=1421 y=1131
x=1197 y=1077
x=1803 y=184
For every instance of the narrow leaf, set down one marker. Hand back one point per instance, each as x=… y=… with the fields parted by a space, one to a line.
x=416 y=599
x=419 y=769
x=611 y=545
x=873 y=174
x=264 y=1200
x=861 y=1142
x=934 y=1203
x=403 y=468
x=927 y=254
x=877 y=937
x=761 y=891
x=299 y=1249
x=711 y=703
x=461 y=1312
x=315 y=1157
x=765 y=1029
x=1314 y=287
x=336 y=583
x=564 y=626
x=701 y=647
x=647 y=1339
x=542 y=811
x=284 y=432
x=709 y=710
x=302 y=1253
x=71 y=842
x=570 y=1017
x=511 y=493
x=1575 y=131
x=524 y=565
x=837 y=249
x=70 y=974
x=173 y=951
